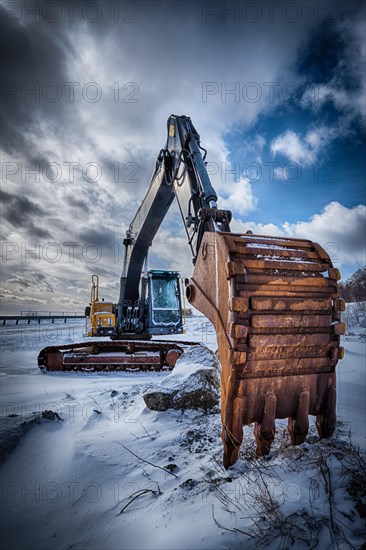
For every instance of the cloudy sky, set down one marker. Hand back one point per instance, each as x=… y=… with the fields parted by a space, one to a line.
x=275 y=89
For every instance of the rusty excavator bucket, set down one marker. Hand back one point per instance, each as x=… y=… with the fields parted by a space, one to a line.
x=275 y=307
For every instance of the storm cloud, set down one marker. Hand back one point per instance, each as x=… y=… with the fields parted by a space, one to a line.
x=19 y=211
x=87 y=88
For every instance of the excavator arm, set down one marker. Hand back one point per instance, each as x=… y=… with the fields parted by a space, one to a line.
x=180 y=173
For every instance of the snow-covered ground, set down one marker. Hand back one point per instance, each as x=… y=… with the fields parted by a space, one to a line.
x=115 y=475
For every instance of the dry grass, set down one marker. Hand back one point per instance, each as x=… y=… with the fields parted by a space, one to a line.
x=326 y=469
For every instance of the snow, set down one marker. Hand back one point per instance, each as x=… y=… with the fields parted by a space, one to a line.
x=295 y=259
x=271 y=246
x=265 y=237
x=193 y=361
x=65 y=484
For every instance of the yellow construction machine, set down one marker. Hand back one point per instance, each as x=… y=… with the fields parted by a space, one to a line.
x=101 y=320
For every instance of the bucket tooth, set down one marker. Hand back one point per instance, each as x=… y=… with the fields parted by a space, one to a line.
x=299 y=427
x=265 y=432
x=274 y=303
x=326 y=420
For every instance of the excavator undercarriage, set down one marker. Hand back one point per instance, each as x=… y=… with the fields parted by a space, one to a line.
x=120 y=355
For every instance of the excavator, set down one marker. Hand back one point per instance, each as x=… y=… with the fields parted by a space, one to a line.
x=273 y=301
x=101 y=320
x=158 y=310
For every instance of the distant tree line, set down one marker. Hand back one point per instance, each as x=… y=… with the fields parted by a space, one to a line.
x=355 y=315
x=354 y=289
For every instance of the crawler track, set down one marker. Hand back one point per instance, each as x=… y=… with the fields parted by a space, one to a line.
x=117 y=355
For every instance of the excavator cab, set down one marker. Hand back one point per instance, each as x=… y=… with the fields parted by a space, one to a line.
x=164 y=307
x=159 y=309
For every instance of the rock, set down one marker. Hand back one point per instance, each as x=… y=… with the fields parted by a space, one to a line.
x=51 y=415
x=171 y=467
x=188 y=483
x=194 y=383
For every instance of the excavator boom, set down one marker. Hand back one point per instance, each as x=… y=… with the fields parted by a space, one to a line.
x=180 y=173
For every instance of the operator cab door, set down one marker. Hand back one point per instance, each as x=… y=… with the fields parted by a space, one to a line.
x=164 y=303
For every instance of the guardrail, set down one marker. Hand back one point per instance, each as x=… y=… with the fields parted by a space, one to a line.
x=38 y=318
x=40 y=312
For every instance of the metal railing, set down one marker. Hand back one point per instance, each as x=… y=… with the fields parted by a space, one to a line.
x=38 y=316
x=37 y=313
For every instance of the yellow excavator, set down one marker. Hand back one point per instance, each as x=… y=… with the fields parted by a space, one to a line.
x=101 y=320
x=273 y=301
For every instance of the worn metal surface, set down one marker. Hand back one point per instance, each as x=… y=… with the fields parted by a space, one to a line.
x=120 y=355
x=275 y=307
